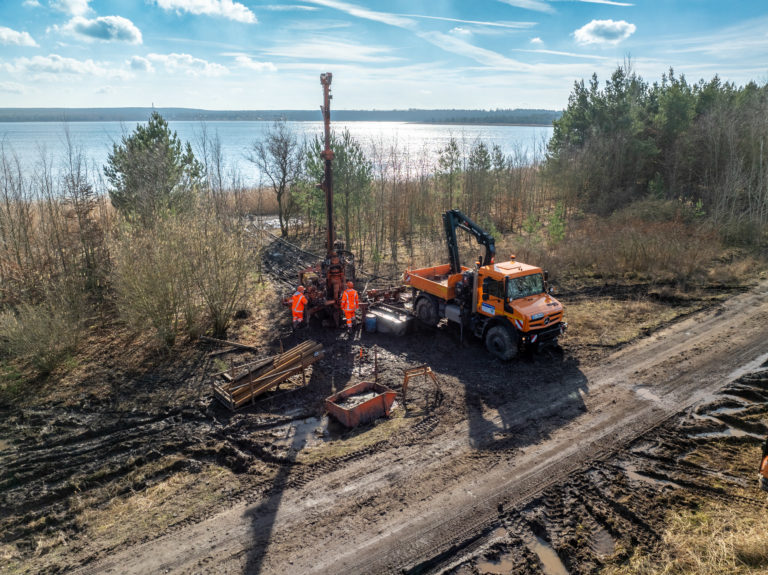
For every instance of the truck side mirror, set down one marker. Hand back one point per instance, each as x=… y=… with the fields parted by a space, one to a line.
x=546 y=276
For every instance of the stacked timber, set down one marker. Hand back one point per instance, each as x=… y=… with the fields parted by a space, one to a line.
x=245 y=383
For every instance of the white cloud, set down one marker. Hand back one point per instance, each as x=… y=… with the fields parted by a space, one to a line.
x=105 y=28
x=11 y=88
x=53 y=64
x=222 y=8
x=463 y=48
x=538 y=41
x=188 y=65
x=289 y=8
x=246 y=62
x=459 y=31
x=501 y=24
x=10 y=37
x=566 y=54
x=73 y=7
x=334 y=50
x=358 y=12
x=536 y=5
x=31 y=4
x=604 y=32
x=141 y=64
x=609 y=2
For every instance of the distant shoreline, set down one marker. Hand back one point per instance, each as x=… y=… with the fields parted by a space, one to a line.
x=516 y=117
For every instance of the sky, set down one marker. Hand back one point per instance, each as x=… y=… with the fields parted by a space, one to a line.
x=393 y=54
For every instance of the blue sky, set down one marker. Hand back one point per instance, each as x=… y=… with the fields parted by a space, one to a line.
x=393 y=54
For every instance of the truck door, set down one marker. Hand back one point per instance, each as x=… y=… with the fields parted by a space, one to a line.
x=492 y=299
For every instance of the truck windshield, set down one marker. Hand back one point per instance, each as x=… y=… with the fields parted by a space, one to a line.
x=524 y=286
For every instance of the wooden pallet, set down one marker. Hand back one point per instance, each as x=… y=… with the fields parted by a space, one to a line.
x=243 y=384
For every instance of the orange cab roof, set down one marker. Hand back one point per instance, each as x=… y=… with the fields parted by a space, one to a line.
x=510 y=268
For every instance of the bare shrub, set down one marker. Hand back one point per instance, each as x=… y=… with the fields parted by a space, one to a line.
x=215 y=269
x=146 y=278
x=46 y=333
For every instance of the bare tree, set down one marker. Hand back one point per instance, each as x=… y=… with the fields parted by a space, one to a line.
x=278 y=157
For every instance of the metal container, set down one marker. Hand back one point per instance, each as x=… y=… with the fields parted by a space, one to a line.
x=360 y=403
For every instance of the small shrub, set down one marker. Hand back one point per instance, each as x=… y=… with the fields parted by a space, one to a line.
x=47 y=334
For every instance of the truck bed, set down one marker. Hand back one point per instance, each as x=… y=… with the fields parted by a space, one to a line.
x=435 y=280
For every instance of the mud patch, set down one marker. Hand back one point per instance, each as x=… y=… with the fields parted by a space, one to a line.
x=603 y=514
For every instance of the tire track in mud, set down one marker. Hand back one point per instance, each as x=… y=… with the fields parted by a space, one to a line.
x=622 y=497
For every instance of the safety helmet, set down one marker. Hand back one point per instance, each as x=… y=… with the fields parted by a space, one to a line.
x=350 y=284
x=300 y=288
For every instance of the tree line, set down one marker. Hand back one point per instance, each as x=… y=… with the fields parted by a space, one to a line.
x=701 y=142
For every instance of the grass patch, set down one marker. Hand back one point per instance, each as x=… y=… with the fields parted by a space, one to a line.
x=127 y=518
x=608 y=322
x=707 y=536
x=716 y=539
x=11 y=383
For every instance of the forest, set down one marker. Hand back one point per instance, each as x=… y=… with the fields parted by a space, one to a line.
x=652 y=180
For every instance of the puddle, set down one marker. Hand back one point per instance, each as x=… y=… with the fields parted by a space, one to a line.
x=737 y=398
x=551 y=564
x=632 y=473
x=646 y=393
x=505 y=563
x=728 y=432
x=728 y=410
x=299 y=434
x=603 y=543
x=502 y=565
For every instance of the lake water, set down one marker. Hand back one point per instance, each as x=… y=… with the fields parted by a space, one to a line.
x=29 y=141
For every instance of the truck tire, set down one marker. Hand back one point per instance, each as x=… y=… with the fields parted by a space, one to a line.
x=501 y=342
x=426 y=311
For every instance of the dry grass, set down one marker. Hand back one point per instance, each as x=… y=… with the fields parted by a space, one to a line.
x=709 y=536
x=716 y=539
x=140 y=515
x=602 y=321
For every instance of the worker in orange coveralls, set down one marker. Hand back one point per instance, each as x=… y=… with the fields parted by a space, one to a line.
x=349 y=304
x=764 y=467
x=298 y=301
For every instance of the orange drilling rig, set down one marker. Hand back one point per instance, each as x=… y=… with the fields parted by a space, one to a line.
x=324 y=282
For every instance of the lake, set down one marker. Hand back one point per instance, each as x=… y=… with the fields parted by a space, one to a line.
x=31 y=140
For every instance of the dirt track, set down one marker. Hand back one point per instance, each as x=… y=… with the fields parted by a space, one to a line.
x=487 y=470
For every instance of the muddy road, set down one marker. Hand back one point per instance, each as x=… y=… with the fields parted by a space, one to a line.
x=546 y=464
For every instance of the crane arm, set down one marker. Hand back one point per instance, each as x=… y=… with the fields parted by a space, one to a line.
x=453 y=219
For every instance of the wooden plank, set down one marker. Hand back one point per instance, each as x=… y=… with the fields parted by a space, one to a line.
x=247 y=386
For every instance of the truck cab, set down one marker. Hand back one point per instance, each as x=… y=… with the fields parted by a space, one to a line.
x=516 y=294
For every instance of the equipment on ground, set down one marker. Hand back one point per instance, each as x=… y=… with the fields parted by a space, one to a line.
x=509 y=305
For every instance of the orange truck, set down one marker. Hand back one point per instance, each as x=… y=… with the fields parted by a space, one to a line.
x=509 y=305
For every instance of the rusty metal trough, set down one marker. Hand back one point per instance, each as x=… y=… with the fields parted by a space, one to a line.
x=360 y=403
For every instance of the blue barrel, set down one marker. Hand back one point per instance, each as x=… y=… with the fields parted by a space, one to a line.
x=370 y=323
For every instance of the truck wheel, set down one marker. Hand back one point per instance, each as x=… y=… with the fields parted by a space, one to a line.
x=426 y=311
x=501 y=343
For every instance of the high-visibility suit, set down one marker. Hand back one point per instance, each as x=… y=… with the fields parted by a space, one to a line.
x=298 y=301
x=349 y=304
x=764 y=467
